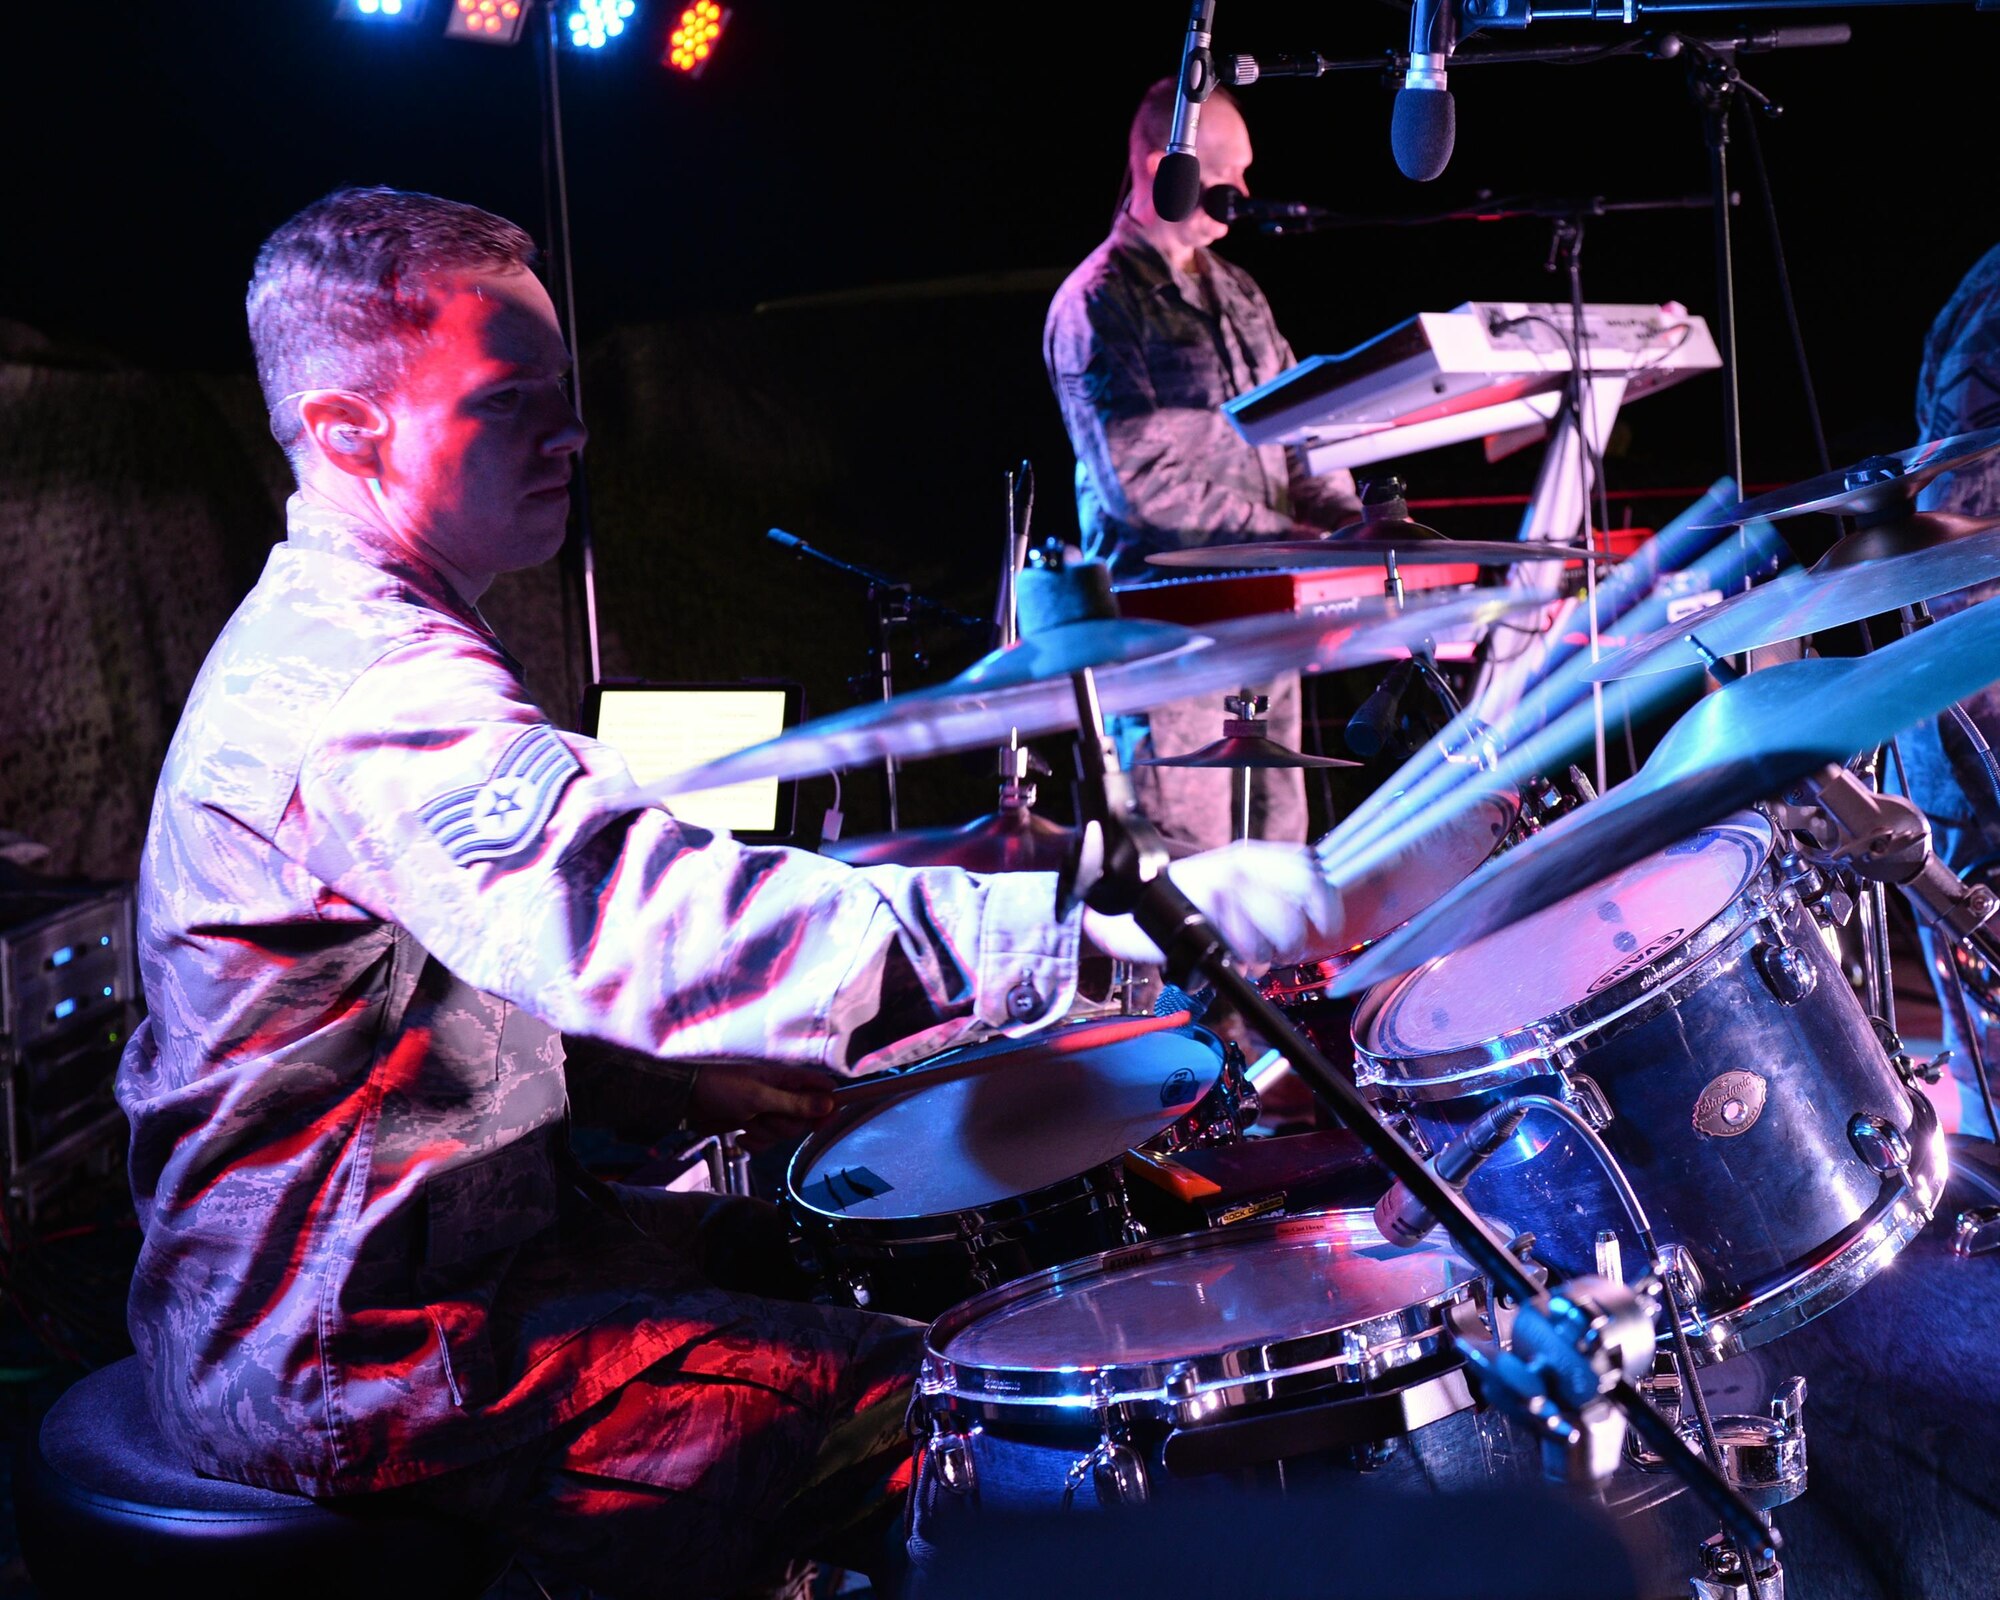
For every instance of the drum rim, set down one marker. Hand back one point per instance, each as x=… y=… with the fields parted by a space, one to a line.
x=1532 y=1049
x=1411 y=1337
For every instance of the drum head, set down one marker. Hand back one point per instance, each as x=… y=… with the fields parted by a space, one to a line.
x=1038 y=1111
x=1392 y=891
x=1559 y=958
x=1138 y=1312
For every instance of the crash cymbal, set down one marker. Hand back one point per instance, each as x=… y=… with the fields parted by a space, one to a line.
x=956 y=716
x=1749 y=741
x=1409 y=550
x=1948 y=553
x=1247 y=750
x=1878 y=487
x=1071 y=647
x=1011 y=840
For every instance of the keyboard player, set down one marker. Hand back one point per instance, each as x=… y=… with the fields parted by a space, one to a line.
x=1144 y=342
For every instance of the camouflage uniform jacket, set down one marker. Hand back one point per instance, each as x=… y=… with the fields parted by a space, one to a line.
x=376 y=884
x=1141 y=360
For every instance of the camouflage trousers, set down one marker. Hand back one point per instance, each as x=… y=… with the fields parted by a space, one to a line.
x=712 y=1473
x=1191 y=804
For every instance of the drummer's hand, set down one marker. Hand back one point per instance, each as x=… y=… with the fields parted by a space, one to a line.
x=770 y=1101
x=1269 y=902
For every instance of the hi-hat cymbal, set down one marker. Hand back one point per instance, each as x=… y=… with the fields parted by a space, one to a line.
x=1013 y=839
x=1247 y=750
x=1749 y=741
x=1869 y=489
x=1409 y=551
x=956 y=716
x=1950 y=553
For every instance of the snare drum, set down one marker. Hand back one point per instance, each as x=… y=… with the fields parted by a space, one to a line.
x=1154 y=1369
x=1004 y=1157
x=1690 y=1008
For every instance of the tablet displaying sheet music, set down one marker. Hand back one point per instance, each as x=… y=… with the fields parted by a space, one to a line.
x=663 y=728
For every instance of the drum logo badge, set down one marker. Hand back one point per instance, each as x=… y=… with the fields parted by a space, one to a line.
x=1620 y=970
x=1730 y=1105
x=1180 y=1087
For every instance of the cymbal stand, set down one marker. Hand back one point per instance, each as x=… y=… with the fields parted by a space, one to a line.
x=1885 y=839
x=1245 y=721
x=1578 y=1348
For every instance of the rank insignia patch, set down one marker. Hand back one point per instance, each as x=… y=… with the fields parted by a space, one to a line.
x=501 y=817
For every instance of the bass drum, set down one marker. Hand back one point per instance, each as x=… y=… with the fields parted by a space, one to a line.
x=997 y=1159
x=1689 y=1008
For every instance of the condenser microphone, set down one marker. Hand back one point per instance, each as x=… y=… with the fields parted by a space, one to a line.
x=1374 y=724
x=1227 y=203
x=1177 y=181
x=1401 y=1218
x=1425 y=120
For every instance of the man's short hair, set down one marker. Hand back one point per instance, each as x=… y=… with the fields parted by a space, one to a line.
x=1153 y=122
x=341 y=295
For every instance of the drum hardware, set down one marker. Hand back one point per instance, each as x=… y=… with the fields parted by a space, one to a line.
x=1244 y=748
x=1764 y=1457
x=1588 y=1340
x=1115 y=1469
x=1976 y=1232
x=1725 y=1577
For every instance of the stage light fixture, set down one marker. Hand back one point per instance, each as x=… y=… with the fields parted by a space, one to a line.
x=380 y=11
x=595 y=23
x=695 y=36
x=488 y=21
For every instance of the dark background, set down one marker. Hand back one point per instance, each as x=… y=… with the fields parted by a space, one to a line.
x=810 y=290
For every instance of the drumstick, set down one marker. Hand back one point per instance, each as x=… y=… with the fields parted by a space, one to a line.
x=866 y=1093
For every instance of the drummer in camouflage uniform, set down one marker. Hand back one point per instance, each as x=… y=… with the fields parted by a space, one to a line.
x=379 y=886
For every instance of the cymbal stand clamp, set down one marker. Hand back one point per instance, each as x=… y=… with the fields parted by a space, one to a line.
x=1588 y=1340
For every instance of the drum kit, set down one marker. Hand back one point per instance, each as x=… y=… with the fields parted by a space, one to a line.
x=1609 y=1045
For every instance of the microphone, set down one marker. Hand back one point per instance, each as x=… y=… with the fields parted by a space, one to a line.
x=1173 y=998
x=1374 y=725
x=1425 y=120
x=1177 y=182
x=1401 y=1218
x=1239 y=72
x=1227 y=203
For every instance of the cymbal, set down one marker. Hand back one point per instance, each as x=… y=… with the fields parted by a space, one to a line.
x=1749 y=741
x=1948 y=553
x=1872 y=488
x=1059 y=651
x=954 y=715
x=1409 y=551
x=1247 y=750
x=1013 y=839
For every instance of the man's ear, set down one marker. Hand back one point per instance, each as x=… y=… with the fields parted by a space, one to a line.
x=1153 y=161
x=347 y=429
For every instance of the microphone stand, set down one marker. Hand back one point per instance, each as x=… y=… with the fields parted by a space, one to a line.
x=892 y=605
x=1585 y=1341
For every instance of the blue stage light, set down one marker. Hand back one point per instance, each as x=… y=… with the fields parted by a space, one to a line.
x=593 y=24
x=380 y=11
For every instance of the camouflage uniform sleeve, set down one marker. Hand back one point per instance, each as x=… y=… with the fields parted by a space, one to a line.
x=1154 y=464
x=437 y=796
